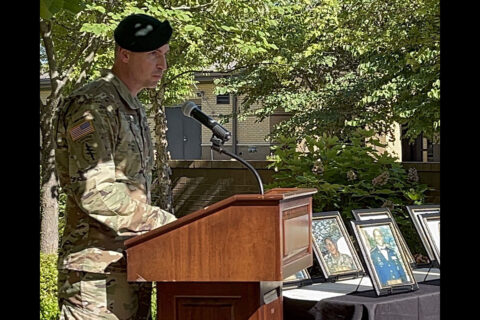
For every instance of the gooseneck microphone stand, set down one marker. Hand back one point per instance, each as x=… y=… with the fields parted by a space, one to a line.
x=217 y=145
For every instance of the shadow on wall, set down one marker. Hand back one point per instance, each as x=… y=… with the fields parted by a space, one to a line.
x=197 y=184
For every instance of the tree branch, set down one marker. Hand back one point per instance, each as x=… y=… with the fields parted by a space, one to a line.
x=46 y=34
x=184 y=7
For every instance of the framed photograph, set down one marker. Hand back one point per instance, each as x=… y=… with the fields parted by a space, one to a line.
x=415 y=213
x=386 y=262
x=333 y=248
x=431 y=224
x=297 y=279
x=385 y=213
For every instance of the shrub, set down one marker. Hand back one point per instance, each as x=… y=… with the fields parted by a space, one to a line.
x=48 y=287
x=349 y=175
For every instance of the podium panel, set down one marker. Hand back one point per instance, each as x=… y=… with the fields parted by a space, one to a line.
x=219 y=300
x=297 y=235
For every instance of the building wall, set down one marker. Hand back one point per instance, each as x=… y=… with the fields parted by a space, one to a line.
x=394 y=144
x=251 y=144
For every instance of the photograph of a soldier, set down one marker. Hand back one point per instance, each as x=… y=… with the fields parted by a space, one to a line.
x=335 y=252
x=376 y=214
x=385 y=256
x=104 y=159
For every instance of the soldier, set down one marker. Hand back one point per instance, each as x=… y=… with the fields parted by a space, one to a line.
x=335 y=260
x=104 y=159
x=389 y=267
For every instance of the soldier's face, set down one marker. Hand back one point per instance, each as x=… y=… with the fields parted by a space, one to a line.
x=330 y=246
x=378 y=237
x=147 y=68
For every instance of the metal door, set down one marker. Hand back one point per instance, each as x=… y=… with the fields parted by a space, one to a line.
x=184 y=135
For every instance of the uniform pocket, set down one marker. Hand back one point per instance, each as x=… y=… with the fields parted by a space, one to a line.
x=93 y=290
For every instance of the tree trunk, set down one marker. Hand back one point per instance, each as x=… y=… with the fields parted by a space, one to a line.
x=161 y=189
x=49 y=185
x=49 y=216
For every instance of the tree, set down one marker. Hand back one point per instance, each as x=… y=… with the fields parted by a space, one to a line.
x=346 y=64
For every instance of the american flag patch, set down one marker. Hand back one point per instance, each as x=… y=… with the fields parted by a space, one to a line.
x=81 y=130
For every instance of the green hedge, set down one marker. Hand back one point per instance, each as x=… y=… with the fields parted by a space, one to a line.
x=48 y=287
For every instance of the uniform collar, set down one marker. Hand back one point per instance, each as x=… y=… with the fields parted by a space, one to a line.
x=122 y=90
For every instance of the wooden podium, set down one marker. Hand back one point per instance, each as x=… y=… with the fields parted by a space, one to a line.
x=228 y=260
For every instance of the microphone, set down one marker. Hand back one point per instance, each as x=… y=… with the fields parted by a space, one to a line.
x=191 y=110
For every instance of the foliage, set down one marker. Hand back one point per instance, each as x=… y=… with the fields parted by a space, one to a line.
x=48 y=8
x=348 y=63
x=206 y=35
x=48 y=287
x=348 y=174
x=62 y=202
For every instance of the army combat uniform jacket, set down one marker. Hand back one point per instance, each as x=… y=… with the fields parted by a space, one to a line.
x=104 y=160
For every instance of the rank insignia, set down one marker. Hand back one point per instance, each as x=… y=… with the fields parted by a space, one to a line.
x=81 y=130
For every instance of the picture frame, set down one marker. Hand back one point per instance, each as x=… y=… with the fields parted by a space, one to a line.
x=297 y=279
x=431 y=224
x=333 y=247
x=415 y=212
x=386 y=262
x=385 y=213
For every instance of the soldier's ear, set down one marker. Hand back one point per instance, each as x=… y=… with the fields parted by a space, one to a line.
x=124 y=54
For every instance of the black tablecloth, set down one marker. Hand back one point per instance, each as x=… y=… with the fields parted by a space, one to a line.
x=422 y=304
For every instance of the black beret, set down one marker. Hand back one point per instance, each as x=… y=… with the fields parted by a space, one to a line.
x=141 y=33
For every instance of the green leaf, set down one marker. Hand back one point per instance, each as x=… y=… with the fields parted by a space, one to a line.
x=189 y=27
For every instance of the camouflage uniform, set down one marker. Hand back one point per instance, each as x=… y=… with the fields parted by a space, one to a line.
x=342 y=263
x=104 y=159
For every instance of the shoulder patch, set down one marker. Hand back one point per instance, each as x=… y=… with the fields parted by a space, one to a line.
x=81 y=130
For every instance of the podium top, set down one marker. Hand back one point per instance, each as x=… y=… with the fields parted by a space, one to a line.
x=275 y=195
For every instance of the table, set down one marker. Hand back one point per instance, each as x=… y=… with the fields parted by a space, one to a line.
x=342 y=300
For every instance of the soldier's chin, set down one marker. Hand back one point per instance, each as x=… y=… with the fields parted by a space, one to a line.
x=153 y=84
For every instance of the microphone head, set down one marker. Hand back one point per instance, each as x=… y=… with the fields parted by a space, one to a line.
x=187 y=108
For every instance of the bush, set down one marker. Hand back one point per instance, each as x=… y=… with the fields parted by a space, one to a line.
x=349 y=175
x=48 y=287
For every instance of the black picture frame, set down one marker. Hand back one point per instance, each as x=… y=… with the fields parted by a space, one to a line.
x=330 y=238
x=385 y=213
x=415 y=212
x=298 y=279
x=431 y=224
x=391 y=274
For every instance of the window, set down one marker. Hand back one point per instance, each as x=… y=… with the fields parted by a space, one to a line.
x=223 y=99
x=421 y=150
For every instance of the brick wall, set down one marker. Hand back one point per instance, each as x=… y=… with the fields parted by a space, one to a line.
x=197 y=184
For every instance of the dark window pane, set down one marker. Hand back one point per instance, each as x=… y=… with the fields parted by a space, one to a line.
x=223 y=99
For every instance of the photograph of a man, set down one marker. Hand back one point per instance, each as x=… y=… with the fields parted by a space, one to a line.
x=335 y=260
x=388 y=264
